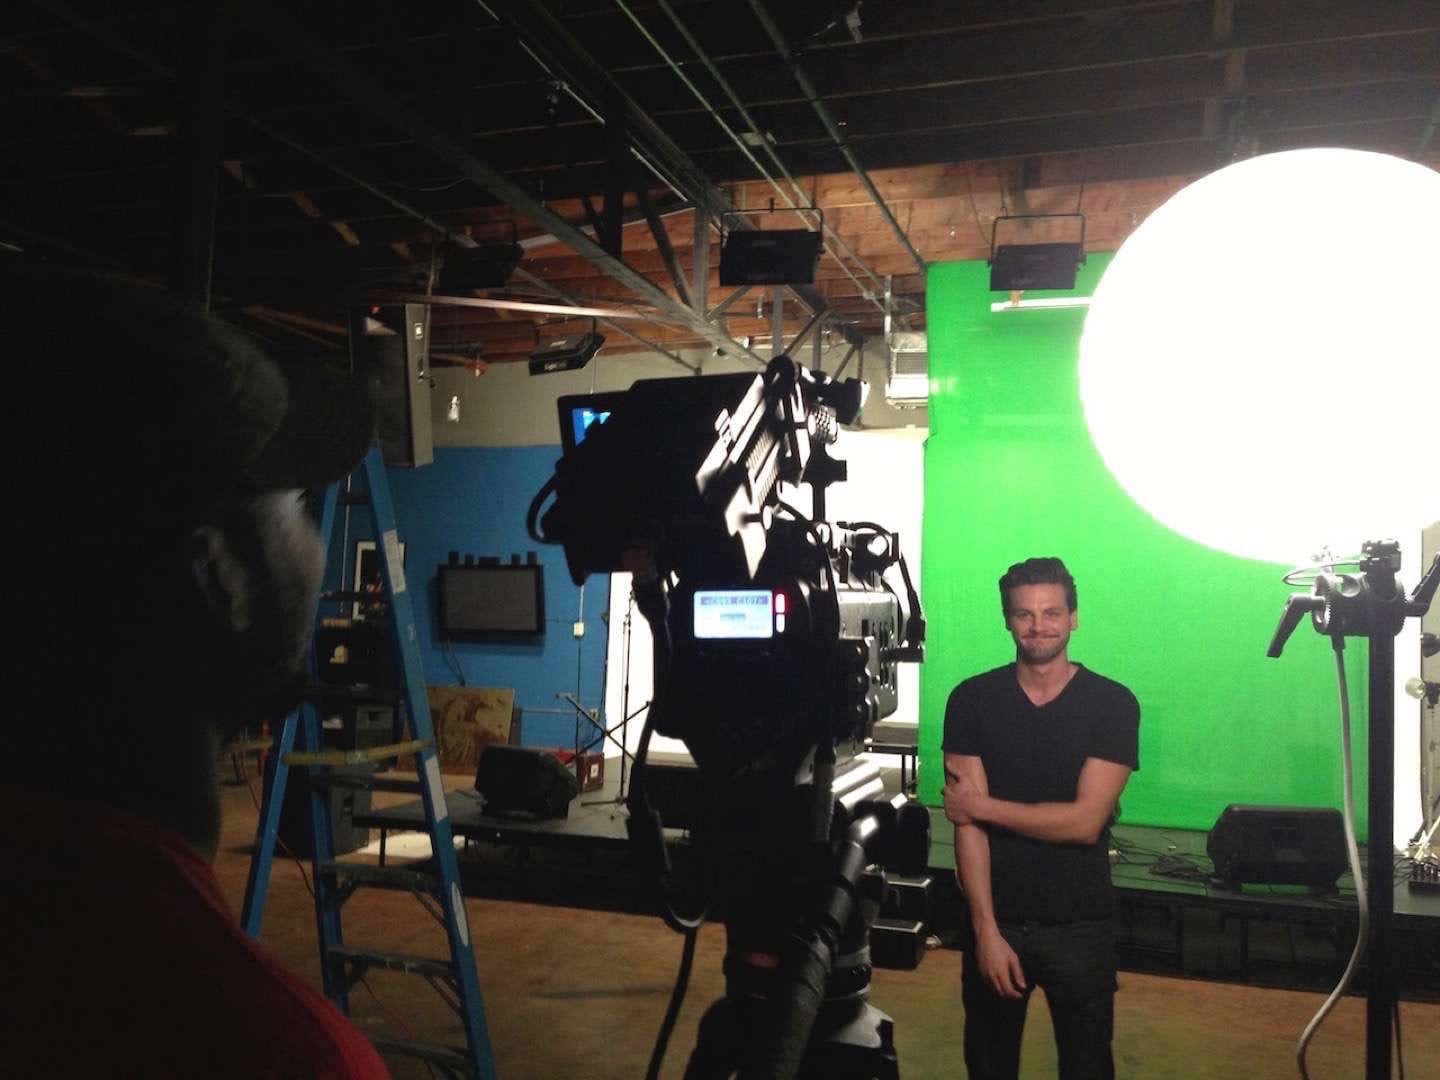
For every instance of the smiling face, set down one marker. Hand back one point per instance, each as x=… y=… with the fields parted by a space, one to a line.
x=1040 y=620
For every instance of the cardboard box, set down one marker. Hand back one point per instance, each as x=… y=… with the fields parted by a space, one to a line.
x=590 y=770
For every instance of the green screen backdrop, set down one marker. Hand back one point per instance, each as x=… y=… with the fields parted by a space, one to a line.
x=1011 y=472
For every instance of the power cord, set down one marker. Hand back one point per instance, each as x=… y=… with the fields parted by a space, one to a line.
x=1352 y=852
x=677 y=999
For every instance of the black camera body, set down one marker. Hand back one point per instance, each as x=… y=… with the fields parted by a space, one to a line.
x=777 y=641
x=764 y=670
x=781 y=632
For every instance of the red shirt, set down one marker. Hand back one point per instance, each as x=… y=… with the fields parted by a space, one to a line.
x=120 y=957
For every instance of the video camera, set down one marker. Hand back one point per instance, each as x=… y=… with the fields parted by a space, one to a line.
x=777 y=641
x=781 y=630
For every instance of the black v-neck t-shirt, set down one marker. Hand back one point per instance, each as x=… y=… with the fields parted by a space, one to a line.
x=1034 y=754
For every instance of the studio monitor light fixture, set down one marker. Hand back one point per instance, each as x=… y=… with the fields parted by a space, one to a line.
x=1048 y=265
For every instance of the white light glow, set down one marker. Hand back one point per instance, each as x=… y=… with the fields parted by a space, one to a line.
x=1260 y=366
x=908 y=388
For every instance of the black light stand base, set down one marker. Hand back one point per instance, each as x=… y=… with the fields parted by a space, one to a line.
x=851 y=1040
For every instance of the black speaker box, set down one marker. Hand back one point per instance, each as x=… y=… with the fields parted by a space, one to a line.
x=390 y=345
x=1278 y=845
x=294 y=829
x=524 y=781
x=897 y=943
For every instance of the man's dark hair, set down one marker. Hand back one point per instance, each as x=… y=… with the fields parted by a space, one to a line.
x=1042 y=571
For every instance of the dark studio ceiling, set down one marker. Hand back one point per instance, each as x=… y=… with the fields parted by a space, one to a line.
x=364 y=147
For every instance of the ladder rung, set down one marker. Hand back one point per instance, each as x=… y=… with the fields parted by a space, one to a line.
x=451 y=1057
x=383 y=877
x=357 y=597
x=370 y=755
x=413 y=965
x=368 y=782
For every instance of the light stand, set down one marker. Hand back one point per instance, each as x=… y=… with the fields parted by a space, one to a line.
x=1372 y=605
x=625 y=714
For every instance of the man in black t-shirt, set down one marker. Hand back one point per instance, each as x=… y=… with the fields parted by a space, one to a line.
x=1036 y=754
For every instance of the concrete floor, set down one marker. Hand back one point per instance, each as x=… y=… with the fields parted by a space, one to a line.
x=579 y=993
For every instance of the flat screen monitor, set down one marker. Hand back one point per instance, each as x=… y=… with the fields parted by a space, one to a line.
x=491 y=600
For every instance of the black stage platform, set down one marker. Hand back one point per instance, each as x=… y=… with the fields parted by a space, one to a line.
x=1174 y=917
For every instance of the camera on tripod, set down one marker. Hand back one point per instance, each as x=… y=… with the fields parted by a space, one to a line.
x=778 y=636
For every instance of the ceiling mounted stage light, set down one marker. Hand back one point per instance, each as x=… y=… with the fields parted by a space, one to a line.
x=770 y=256
x=1260 y=366
x=488 y=266
x=1050 y=265
x=567 y=353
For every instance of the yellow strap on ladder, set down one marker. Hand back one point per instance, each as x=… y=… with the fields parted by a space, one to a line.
x=369 y=755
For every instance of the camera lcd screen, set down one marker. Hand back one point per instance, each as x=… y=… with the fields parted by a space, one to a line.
x=578 y=413
x=734 y=613
x=581 y=417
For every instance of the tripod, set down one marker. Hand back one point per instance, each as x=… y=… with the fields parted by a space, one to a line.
x=797 y=965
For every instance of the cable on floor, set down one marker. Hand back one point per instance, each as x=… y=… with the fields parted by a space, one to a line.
x=1353 y=854
x=677 y=999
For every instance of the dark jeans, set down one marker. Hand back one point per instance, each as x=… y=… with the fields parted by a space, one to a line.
x=1074 y=963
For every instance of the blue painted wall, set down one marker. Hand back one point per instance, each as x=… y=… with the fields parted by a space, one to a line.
x=473 y=500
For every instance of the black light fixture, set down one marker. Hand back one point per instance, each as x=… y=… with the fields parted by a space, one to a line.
x=488 y=266
x=770 y=256
x=1022 y=267
x=567 y=352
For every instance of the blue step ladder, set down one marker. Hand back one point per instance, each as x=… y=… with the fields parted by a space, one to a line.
x=298 y=742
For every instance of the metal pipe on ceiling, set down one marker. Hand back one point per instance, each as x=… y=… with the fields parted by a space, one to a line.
x=548 y=67
x=561 y=294
x=497 y=304
x=664 y=159
x=109 y=38
x=120 y=45
x=724 y=85
x=704 y=193
x=808 y=89
x=290 y=35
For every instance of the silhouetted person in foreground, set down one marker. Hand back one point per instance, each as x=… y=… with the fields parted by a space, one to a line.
x=165 y=568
